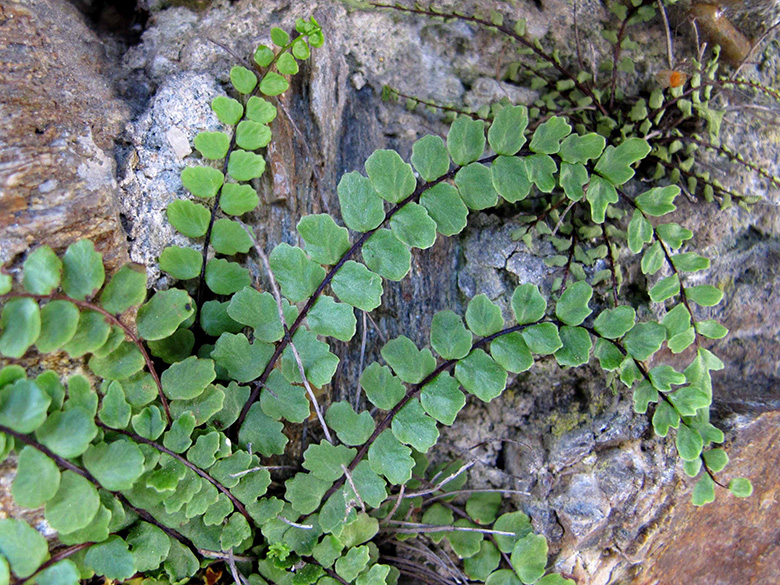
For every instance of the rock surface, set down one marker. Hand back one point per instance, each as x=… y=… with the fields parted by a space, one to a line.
x=61 y=118
x=737 y=540
x=610 y=497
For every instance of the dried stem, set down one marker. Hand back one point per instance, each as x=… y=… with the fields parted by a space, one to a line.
x=415 y=527
x=398 y=500
x=669 y=51
x=444 y=482
x=288 y=336
x=475 y=491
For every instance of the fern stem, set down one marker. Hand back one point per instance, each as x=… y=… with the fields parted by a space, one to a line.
x=642 y=369
x=668 y=258
x=207 y=237
x=411 y=393
x=358 y=245
x=215 y=206
x=616 y=53
x=718 y=189
x=239 y=506
x=683 y=295
x=65 y=464
x=432 y=104
x=734 y=158
x=569 y=259
x=719 y=84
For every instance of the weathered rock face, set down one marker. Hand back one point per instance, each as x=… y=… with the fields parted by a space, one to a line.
x=61 y=118
x=735 y=541
x=609 y=496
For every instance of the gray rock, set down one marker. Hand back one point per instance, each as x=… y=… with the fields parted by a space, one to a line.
x=582 y=508
x=153 y=163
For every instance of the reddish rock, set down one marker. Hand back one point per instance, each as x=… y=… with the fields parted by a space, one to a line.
x=732 y=540
x=60 y=120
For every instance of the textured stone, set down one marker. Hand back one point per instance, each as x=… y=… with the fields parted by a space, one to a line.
x=736 y=540
x=60 y=119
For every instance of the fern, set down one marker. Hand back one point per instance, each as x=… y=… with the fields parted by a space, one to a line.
x=173 y=462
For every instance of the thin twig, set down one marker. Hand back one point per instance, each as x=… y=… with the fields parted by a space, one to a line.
x=223 y=556
x=295 y=524
x=475 y=491
x=563 y=216
x=669 y=52
x=396 y=505
x=437 y=560
x=753 y=49
x=414 y=527
x=278 y=296
x=443 y=482
x=348 y=475
x=259 y=467
x=312 y=396
x=362 y=357
x=417 y=571
x=376 y=327
x=237 y=577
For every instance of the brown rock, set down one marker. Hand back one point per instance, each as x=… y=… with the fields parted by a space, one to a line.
x=733 y=540
x=60 y=119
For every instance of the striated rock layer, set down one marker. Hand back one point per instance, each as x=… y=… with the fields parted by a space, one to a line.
x=61 y=118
